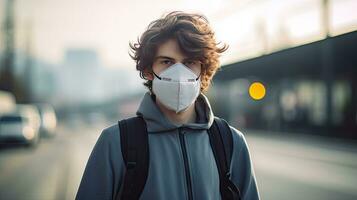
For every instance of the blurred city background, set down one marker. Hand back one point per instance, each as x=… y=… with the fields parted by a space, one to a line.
x=65 y=75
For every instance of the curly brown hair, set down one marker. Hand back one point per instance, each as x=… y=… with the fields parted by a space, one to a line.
x=194 y=37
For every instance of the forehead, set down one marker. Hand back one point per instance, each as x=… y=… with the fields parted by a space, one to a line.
x=171 y=49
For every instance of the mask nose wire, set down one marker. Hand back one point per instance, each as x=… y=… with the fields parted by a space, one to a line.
x=157 y=76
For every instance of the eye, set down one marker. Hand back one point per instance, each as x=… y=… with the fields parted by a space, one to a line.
x=166 y=62
x=192 y=63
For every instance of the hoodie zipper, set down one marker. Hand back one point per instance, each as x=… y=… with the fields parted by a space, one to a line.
x=185 y=159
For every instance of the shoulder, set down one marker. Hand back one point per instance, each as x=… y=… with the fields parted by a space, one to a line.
x=108 y=146
x=239 y=141
x=109 y=137
x=238 y=136
x=111 y=131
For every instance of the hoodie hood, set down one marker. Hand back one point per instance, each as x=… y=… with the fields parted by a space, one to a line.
x=156 y=121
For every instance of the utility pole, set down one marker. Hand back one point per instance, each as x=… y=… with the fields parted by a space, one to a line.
x=29 y=68
x=327 y=62
x=7 y=79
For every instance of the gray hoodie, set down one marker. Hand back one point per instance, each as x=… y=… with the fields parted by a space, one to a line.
x=179 y=165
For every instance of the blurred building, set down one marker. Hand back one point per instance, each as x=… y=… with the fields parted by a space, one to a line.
x=83 y=79
x=304 y=53
x=79 y=71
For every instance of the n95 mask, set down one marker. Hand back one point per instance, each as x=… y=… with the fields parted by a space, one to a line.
x=177 y=87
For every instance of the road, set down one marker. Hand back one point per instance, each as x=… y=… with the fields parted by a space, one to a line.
x=287 y=166
x=52 y=170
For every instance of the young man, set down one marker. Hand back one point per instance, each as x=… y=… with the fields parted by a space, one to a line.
x=178 y=56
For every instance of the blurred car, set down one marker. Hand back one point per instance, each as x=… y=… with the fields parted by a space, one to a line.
x=7 y=102
x=21 y=126
x=48 y=120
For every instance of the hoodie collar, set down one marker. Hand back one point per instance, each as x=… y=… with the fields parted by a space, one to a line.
x=156 y=121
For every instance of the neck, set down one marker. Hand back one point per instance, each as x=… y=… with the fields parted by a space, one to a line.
x=186 y=116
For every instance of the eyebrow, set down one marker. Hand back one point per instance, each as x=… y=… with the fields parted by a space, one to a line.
x=163 y=57
x=169 y=58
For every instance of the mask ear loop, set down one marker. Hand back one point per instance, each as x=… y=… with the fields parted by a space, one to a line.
x=200 y=73
x=156 y=75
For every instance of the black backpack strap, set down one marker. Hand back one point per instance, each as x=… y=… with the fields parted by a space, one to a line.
x=221 y=140
x=135 y=150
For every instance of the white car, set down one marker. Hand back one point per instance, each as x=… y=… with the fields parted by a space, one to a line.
x=22 y=126
x=7 y=102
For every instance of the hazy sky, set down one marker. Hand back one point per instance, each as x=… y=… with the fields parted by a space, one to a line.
x=109 y=25
x=106 y=25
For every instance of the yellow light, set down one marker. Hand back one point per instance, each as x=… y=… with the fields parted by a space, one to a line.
x=257 y=90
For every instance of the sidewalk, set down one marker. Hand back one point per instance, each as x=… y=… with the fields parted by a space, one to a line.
x=292 y=166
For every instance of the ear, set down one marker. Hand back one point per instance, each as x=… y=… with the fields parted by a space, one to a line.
x=148 y=75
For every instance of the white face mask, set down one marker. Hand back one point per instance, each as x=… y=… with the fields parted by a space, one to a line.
x=177 y=87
